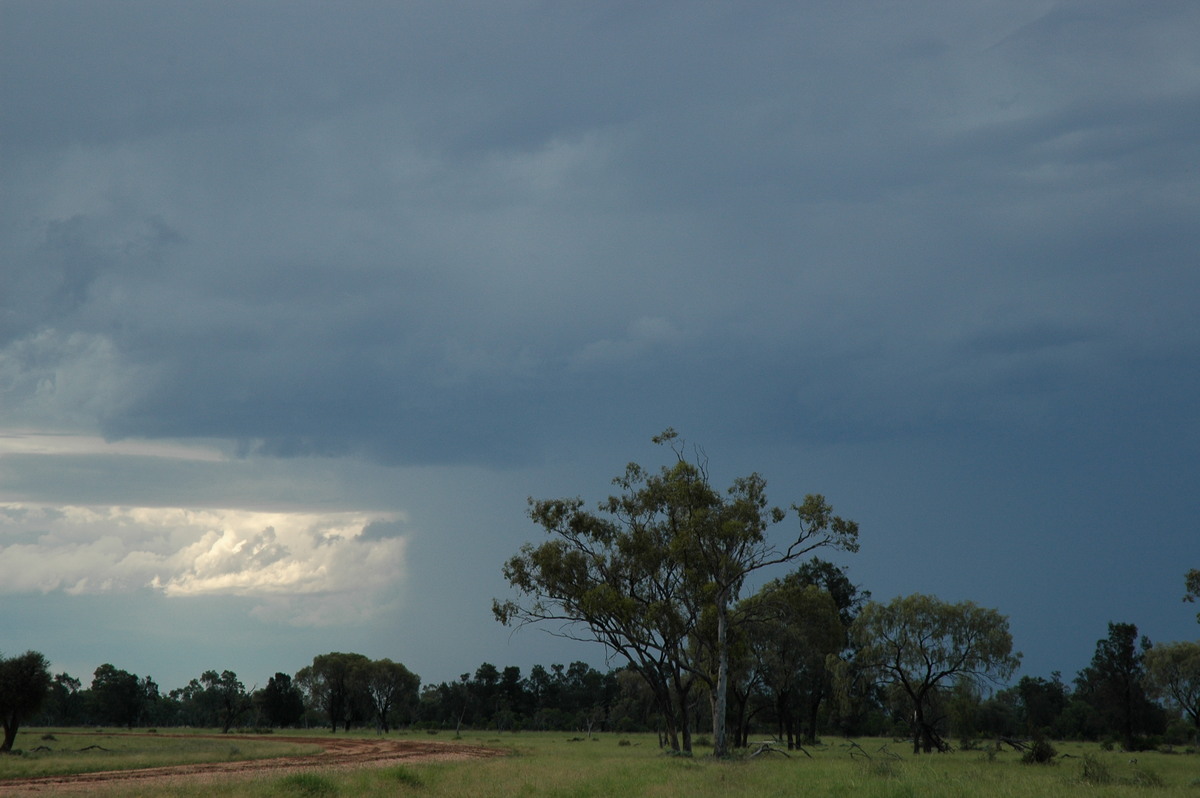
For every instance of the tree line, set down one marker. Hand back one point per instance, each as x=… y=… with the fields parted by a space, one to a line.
x=655 y=575
x=793 y=676
x=806 y=662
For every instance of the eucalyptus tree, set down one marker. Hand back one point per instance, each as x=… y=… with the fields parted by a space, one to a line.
x=120 y=696
x=24 y=684
x=792 y=628
x=1113 y=685
x=1173 y=674
x=227 y=695
x=389 y=686
x=922 y=645
x=333 y=683
x=640 y=574
x=281 y=701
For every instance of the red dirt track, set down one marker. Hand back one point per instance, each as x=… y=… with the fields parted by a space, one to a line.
x=337 y=752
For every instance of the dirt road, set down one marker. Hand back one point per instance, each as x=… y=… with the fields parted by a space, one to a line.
x=337 y=752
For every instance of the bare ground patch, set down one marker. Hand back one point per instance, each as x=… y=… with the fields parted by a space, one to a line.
x=337 y=752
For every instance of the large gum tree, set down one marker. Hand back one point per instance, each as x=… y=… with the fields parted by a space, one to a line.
x=658 y=564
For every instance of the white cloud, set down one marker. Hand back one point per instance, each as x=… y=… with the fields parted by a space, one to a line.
x=305 y=568
x=42 y=442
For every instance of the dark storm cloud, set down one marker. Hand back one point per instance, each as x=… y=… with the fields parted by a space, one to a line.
x=937 y=256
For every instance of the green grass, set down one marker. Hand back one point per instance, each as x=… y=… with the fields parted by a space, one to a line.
x=53 y=752
x=546 y=765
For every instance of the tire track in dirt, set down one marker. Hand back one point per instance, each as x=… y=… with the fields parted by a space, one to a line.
x=336 y=753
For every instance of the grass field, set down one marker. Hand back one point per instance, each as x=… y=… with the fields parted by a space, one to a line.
x=54 y=752
x=631 y=766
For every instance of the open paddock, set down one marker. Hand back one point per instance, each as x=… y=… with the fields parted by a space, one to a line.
x=531 y=765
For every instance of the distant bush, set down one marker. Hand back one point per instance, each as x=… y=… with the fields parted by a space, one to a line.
x=1179 y=732
x=1040 y=753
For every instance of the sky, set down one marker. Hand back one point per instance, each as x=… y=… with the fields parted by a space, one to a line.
x=300 y=302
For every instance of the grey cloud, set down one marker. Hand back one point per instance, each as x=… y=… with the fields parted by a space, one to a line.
x=411 y=254
x=933 y=259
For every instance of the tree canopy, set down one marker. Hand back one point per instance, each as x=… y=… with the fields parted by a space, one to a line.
x=921 y=645
x=1173 y=673
x=1192 y=586
x=641 y=573
x=1113 y=684
x=332 y=683
x=24 y=684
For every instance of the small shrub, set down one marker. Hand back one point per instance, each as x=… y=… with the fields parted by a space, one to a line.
x=1108 y=745
x=310 y=785
x=1040 y=753
x=405 y=776
x=49 y=737
x=623 y=743
x=1094 y=771
x=883 y=768
x=702 y=741
x=1146 y=778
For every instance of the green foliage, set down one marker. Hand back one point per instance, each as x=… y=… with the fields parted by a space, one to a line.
x=24 y=684
x=1113 y=686
x=281 y=701
x=1192 y=583
x=403 y=775
x=213 y=700
x=307 y=785
x=120 y=697
x=883 y=768
x=1040 y=753
x=1145 y=778
x=790 y=628
x=332 y=683
x=652 y=573
x=1094 y=771
x=920 y=645
x=1172 y=673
